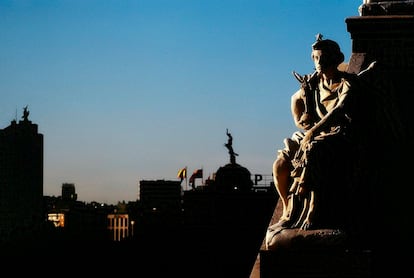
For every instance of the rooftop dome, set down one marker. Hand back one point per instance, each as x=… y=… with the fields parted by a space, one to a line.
x=233 y=176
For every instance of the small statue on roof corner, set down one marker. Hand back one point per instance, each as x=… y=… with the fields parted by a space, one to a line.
x=26 y=113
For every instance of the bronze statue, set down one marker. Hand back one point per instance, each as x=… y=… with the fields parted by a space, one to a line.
x=229 y=146
x=26 y=113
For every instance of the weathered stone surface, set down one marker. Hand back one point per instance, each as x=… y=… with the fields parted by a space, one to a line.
x=304 y=239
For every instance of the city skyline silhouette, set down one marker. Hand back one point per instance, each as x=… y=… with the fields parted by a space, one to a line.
x=135 y=91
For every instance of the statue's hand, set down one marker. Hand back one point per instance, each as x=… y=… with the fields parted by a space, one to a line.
x=304 y=144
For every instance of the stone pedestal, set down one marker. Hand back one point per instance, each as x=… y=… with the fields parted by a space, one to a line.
x=389 y=40
x=315 y=263
x=311 y=260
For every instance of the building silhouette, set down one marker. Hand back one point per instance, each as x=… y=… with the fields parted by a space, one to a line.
x=218 y=225
x=69 y=192
x=21 y=179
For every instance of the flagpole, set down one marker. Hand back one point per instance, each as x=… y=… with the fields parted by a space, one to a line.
x=186 y=181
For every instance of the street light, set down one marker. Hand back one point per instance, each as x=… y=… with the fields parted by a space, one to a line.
x=132 y=228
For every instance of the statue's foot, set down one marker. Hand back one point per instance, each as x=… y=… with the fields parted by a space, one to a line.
x=274 y=232
x=306 y=225
x=283 y=223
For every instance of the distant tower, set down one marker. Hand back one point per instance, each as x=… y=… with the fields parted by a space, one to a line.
x=21 y=178
x=69 y=192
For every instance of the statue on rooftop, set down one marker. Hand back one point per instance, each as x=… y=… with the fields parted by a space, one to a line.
x=26 y=113
x=229 y=146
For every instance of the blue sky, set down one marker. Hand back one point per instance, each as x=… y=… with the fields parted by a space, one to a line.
x=127 y=90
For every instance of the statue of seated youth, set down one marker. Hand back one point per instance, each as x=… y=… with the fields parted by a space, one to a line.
x=316 y=174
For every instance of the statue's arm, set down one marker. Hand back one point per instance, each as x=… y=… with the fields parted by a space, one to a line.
x=298 y=108
x=329 y=120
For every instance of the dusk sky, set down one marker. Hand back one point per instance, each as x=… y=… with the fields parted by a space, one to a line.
x=127 y=90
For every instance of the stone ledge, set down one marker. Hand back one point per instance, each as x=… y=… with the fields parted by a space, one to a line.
x=315 y=263
x=304 y=239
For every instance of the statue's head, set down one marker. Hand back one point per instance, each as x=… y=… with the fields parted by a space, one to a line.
x=328 y=47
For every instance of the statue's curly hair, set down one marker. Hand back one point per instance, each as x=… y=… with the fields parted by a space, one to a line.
x=331 y=47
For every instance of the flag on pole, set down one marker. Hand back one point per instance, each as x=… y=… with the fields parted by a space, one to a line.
x=197 y=174
x=182 y=173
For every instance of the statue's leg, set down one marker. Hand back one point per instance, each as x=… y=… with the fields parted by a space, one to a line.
x=282 y=180
x=307 y=222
